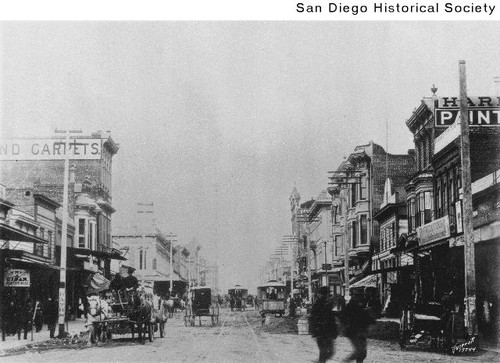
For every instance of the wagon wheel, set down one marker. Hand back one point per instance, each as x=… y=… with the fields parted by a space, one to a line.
x=151 y=332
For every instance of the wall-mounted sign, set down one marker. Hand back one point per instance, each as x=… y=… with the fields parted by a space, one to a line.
x=483 y=111
x=434 y=231
x=17 y=278
x=50 y=149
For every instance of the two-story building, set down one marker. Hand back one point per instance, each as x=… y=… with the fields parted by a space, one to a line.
x=148 y=252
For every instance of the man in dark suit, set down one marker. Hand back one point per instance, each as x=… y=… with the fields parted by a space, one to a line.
x=322 y=324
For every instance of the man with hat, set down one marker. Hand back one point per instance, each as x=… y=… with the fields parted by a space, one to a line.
x=130 y=282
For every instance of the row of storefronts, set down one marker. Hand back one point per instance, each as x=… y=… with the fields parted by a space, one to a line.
x=399 y=219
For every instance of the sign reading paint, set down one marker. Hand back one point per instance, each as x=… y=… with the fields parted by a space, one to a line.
x=483 y=111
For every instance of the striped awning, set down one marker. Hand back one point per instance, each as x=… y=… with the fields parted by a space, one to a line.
x=367 y=281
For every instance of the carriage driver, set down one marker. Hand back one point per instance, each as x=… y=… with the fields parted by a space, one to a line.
x=130 y=282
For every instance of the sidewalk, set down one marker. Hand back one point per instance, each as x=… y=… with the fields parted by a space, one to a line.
x=72 y=327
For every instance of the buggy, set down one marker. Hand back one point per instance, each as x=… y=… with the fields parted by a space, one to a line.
x=201 y=304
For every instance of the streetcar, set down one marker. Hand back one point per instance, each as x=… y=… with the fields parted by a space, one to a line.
x=238 y=295
x=201 y=304
x=273 y=297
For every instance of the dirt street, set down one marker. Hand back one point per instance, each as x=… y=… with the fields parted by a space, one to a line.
x=238 y=338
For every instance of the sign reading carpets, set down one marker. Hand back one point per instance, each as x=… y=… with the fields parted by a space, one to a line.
x=434 y=231
x=483 y=111
x=17 y=278
x=50 y=149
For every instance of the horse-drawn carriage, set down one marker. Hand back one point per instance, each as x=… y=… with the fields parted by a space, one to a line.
x=201 y=303
x=126 y=313
x=273 y=296
x=238 y=297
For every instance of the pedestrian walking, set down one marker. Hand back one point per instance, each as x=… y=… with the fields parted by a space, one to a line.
x=356 y=320
x=322 y=324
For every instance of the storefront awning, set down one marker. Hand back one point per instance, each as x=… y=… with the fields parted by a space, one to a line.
x=9 y=233
x=158 y=276
x=391 y=269
x=102 y=254
x=367 y=281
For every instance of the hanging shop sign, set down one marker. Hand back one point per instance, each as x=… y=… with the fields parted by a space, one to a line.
x=434 y=231
x=50 y=149
x=483 y=111
x=17 y=278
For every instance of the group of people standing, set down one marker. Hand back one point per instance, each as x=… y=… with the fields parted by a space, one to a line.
x=354 y=318
x=31 y=316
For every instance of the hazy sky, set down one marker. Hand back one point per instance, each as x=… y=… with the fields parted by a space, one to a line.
x=254 y=107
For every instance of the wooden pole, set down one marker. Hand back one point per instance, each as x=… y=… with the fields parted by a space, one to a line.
x=345 y=240
x=470 y=268
x=64 y=243
x=308 y=261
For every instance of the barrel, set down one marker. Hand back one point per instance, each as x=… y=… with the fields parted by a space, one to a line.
x=303 y=327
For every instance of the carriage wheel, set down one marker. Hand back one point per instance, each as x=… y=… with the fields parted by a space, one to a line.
x=162 y=328
x=150 y=332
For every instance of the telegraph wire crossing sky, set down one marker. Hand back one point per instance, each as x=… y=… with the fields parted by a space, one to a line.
x=253 y=107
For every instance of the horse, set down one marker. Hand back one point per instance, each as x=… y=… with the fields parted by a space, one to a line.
x=99 y=311
x=169 y=304
x=142 y=314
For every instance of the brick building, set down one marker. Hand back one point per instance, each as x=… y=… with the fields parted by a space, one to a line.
x=89 y=209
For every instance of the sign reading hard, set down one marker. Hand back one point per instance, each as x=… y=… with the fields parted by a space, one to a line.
x=17 y=278
x=483 y=111
x=50 y=149
x=434 y=231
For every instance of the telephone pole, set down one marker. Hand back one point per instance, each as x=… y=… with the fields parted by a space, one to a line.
x=469 y=253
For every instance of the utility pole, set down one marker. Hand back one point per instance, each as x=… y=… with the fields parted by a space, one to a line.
x=469 y=253
x=64 y=235
x=308 y=262
x=216 y=282
x=342 y=179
